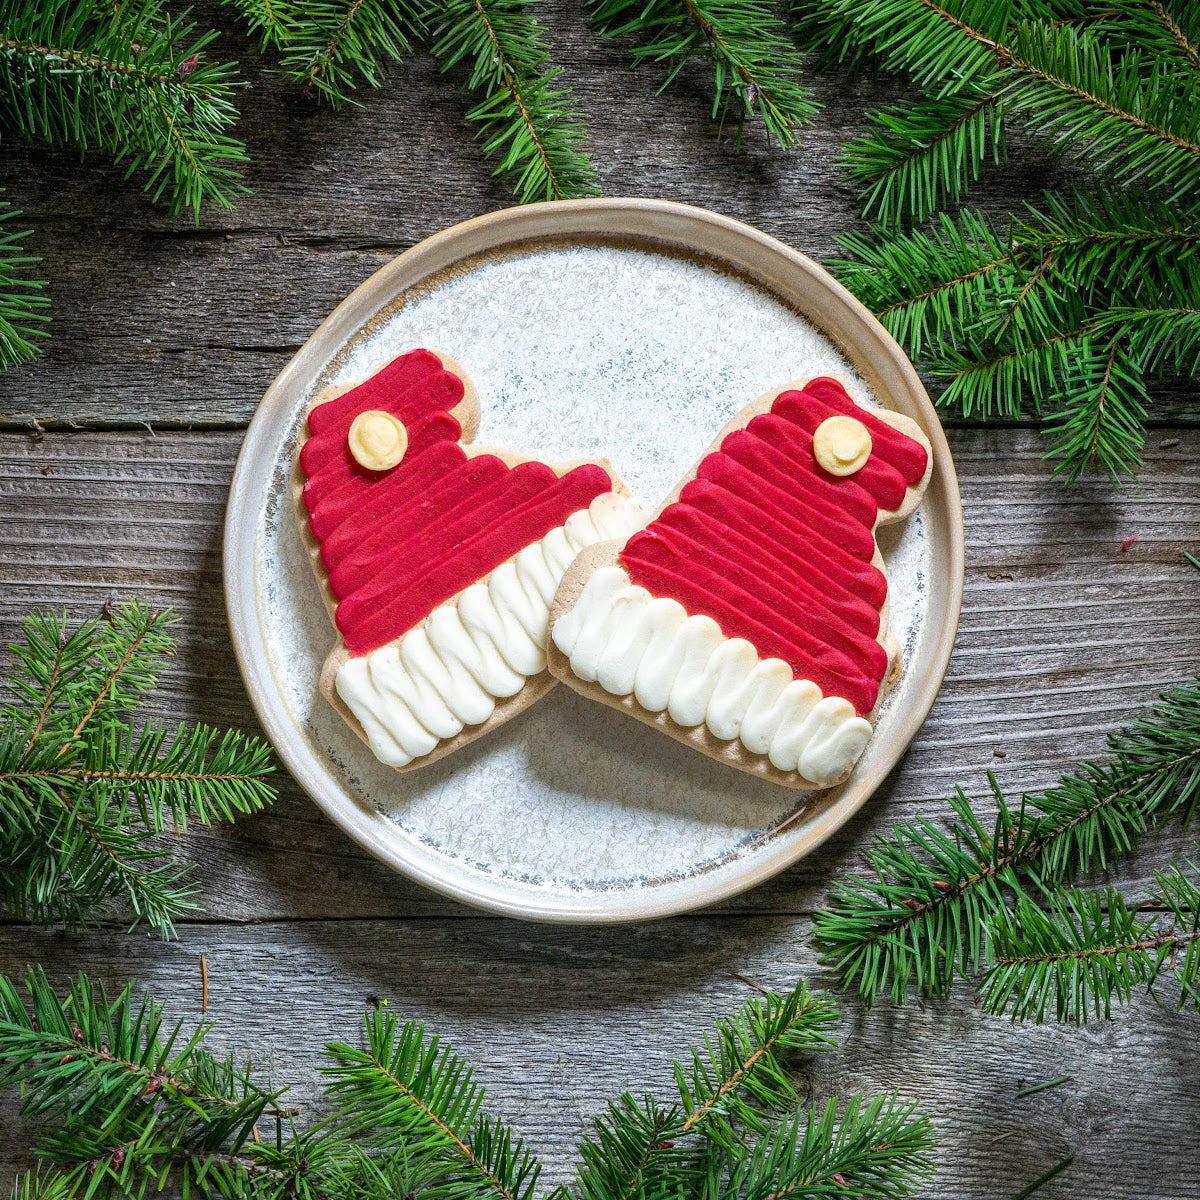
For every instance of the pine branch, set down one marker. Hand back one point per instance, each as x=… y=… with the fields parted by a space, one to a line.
x=920 y=156
x=756 y=1140
x=879 y=1149
x=945 y=46
x=1086 y=951
x=1080 y=305
x=401 y=1090
x=635 y=1153
x=83 y=794
x=1101 y=411
x=741 y=1072
x=927 y=287
x=126 y=1105
x=923 y=916
x=1139 y=124
x=1159 y=31
x=1180 y=894
x=127 y=1098
x=271 y=20
x=22 y=307
x=987 y=380
x=736 y=1082
x=130 y=81
x=755 y=66
x=330 y=46
x=527 y=124
x=1071 y=312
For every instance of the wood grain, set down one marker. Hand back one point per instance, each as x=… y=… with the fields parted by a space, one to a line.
x=1062 y=635
x=559 y=1020
x=174 y=323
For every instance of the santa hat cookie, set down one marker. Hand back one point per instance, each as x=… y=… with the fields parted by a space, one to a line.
x=749 y=618
x=438 y=560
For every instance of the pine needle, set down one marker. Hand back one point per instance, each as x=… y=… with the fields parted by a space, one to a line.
x=131 y=81
x=84 y=794
x=1041 y=1181
x=527 y=124
x=938 y=896
x=22 y=306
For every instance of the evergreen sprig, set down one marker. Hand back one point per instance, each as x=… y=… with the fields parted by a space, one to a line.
x=527 y=123
x=131 y=81
x=741 y=1072
x=84 y=792
x=870 y=1149
x=756 y=68
x=739 y=1129
x=926 y=913
x=1069 y=311
x=1081 y=303
x=127 y=1105
x=22 y=306
x=329 y=46
x=1086 y=950
x=402 y=1089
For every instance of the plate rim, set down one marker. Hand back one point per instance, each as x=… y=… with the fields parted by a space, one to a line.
x=674 y=225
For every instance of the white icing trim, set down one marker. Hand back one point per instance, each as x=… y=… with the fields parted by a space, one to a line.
x=634 y=644
x=481 y=646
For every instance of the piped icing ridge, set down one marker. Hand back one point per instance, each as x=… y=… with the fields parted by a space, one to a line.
x=752 y=605
x=635 y=644
x=450 y=670
x=397 y=544
x=441 y=559
x=758 y=581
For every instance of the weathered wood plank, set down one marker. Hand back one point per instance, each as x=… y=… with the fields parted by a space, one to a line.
x=165 y=322
x=1062 y=635
x=557 y=1021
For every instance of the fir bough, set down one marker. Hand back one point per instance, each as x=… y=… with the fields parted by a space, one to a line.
x=991 y=896
x=86 y=792
x=1085 y=950
x=128 y=1104
x=129 y=80
x=527 y=122
x=329 y=46
x=756 y=69
x=1075 y=307
x=22 y=306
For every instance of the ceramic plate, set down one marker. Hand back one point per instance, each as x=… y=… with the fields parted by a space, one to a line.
x=632 y=329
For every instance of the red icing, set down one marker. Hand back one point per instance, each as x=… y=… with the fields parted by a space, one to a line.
x=777 y=565
x=449 y=563
x=842 y=572
x=778 y=551
x=398 y=543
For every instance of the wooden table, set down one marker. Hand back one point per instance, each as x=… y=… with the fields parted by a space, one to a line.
x=165 y=334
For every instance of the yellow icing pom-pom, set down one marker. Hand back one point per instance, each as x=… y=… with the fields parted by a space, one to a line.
x=842 y=445
x=377 y=440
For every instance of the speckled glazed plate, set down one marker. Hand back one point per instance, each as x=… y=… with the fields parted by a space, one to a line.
x=632 y=329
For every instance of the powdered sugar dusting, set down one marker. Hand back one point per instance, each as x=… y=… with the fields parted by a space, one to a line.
x=577 y=352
